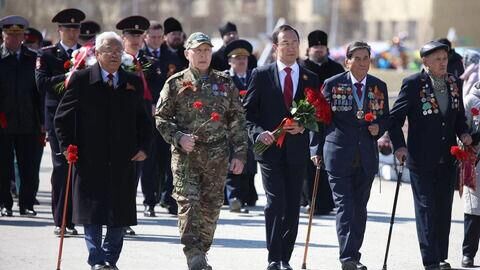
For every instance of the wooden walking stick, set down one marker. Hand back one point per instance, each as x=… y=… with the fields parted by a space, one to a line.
x=72 y=157
x=310 y=214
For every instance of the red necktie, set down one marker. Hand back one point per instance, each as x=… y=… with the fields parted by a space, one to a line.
x=359 y=87
x=288 y=88
x=110 y=79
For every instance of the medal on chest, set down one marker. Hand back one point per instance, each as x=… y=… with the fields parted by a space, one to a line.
x=342 y=98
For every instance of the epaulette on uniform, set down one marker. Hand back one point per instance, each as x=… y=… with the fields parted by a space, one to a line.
x=177 y=75
x=48 y=47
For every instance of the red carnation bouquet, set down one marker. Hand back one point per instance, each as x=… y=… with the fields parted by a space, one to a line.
x=307 y=112
x=466 y=157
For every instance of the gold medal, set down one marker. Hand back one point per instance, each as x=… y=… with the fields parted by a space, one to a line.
x=360 y=115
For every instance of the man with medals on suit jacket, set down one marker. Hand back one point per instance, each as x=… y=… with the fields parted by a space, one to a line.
x=359 y=104
x=268 y=101
x=432 y=101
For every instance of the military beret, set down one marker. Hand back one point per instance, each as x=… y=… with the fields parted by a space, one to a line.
x=317 y=37
x=13 y=24
x=196 y=39
x=239 y=47
x=227 y=28
x=88 y=30
x=133 y=25
x=32 y=35
x=70 y=17
x=171 y=25
x=432 y=46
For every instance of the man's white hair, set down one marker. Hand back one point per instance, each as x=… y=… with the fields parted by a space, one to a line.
x=106 y=36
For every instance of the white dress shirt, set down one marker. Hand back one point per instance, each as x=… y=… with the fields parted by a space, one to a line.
x=105 y=77
x=295 y=74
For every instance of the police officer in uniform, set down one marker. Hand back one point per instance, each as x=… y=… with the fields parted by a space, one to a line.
x=229 y=33
x=88 y=31
x=19 y=116
x=51 y=71
x=318 y=62
x=432 y=101
x=200 y=114
x=240 y=189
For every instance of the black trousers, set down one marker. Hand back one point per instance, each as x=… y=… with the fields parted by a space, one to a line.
x=59 y=183
x=23 y=146
x=283 y=186
x=324 y=203
x=433 y=197
x=351 y=194
x=471 y=235
x=236 y=186
x=150 y=178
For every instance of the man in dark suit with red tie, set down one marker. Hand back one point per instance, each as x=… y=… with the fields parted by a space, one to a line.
x=269 y=99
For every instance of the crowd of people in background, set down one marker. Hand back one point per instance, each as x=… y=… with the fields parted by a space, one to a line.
x=154 y=107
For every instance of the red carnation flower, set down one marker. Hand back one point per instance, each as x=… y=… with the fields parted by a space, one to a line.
x=475 y=111
x=311 y=95
x=72 y=158
x=3 y=120
x=369 y=117
x=197 y=105
x=72 y=149
x=458 y=153
x=242 y=93
x=67 y=64
x=289 y=121
x=215 y=117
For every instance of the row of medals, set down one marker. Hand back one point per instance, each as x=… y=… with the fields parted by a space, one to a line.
x=344 y=103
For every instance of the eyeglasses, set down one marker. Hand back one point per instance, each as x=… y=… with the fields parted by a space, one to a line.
x=111 y=52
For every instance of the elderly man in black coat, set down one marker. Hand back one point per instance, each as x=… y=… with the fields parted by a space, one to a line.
x=104 y=114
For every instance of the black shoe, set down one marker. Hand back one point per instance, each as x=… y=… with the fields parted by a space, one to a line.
x=6 y=212
x=28 y=212
x=432 y=267
x=100 y=267
x=235 y=205
x=286 y=266
x=274 y=266
x=71 y=231
x=353 y=265
x=173 y=209
x=36 y=202
x=467 y=262
x=129 y=230
x=149 y=211
x=445 y=265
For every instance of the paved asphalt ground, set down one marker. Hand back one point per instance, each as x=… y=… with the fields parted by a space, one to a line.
x=29 y=243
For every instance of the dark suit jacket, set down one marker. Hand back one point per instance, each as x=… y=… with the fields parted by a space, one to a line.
x=109 y=126
x=49 y=72
x=347 y=137
x=324 y=71
x=430 y=135
x=19 y=98
x=265 y=109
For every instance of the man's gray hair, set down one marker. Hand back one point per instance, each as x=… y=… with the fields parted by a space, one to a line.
x=105 y=36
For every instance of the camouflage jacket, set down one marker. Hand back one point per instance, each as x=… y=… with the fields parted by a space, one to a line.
x=175 y=114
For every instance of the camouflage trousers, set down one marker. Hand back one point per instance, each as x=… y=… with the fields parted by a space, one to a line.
x=199 y=180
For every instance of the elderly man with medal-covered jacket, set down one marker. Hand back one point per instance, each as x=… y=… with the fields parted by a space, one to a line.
x=359 y=103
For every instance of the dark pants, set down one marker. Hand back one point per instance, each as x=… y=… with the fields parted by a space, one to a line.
x=23 y=147
x=283 y=186
x=433 y=197
x=150 y=178
x=324 y=203
x=106 y=252
x=351 y=194
x=166 y=176
x=59 y=183
x=38 y=160
x=471 y=235
x=236 y=186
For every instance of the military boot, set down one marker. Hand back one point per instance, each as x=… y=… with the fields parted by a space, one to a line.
x=198 y=262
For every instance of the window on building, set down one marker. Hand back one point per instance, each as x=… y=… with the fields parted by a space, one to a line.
x=379 y=35
x=412 y=30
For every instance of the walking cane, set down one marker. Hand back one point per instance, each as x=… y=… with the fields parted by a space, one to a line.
x=310 y=214
x=72 y=157
x=399 y=172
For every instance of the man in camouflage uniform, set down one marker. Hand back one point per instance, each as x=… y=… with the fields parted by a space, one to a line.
x=200 y=144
